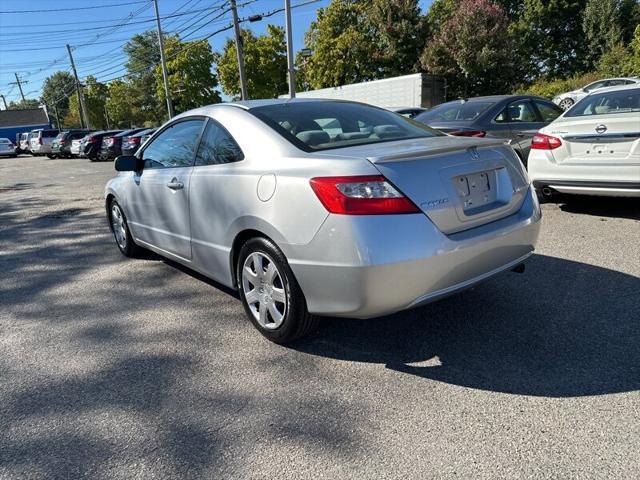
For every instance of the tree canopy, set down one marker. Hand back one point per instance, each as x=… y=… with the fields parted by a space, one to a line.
x=265 y=58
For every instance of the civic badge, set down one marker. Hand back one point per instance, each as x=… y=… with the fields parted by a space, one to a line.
x=601 y=128
x=473 y=151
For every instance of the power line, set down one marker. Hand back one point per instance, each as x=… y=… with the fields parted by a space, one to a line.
x=73 y=9
x=74 y=30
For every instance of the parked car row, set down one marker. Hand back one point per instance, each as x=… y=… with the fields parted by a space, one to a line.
x=71 y=143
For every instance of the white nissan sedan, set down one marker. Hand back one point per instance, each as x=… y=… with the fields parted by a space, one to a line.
x=592 y=149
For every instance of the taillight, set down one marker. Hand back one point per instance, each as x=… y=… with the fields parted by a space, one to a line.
x=468 y=133
x=541 y=141
x=91 y=140
x=361 y=195
x=40 y=140
x=133 y=140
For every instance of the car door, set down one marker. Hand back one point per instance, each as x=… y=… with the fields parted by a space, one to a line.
x=524 y=123
x=216 y=181
x=158 y=198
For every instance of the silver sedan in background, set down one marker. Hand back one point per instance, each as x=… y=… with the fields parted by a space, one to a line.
x=373 y=214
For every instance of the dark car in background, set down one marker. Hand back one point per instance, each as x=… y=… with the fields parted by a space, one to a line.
x=516 y=118
x=131 y=143
x=112 y=144
x=409 y=112
x=93 y=143
x=61 y=146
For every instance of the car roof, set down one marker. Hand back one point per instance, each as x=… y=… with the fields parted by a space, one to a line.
x=616 y=88
x=250 y=104
x=635 y=79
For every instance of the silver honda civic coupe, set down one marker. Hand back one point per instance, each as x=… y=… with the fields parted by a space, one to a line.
x=322 y=207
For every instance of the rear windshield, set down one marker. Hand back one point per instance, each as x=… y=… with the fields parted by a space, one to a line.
x=49 y=133
x=607 y=103
x=455 y=112
x=314 y=126
x=4 y=140
x=61 y=135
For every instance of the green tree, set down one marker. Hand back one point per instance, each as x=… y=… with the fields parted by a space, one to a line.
x=551 y=36
x=439 y=13
x=143 y=55
x=615 y=62
x=265 y=59
x=474 y=50
x=23 y=104
x=633 y=63
x=601 y=25
x=56 y=90
x=191 y=81
x=119 y=105
x=343 y=45
x=400 y=30
x=629 y=19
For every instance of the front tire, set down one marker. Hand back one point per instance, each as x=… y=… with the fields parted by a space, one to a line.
x=270 y=293
x=121 y=232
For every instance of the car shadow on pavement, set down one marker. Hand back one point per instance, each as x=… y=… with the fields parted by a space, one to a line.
x=561 y=329
x=606 y=207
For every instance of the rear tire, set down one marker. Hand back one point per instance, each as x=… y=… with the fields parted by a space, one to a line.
x=120 y=230
x=566 y=103
x=270 y=294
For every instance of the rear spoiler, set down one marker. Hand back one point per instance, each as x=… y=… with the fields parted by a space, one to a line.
x=425 y=152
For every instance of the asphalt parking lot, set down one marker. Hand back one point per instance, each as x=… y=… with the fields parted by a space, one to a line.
x=118 y=368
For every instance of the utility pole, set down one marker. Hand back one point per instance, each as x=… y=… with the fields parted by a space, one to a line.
x=165 y=76
x=19 y=86
x=84 y=118
x=55 y=109
x=4 y=100
x=290 y=65
x=239 y=50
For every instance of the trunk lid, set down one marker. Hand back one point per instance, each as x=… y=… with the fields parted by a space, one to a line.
x=589 y=140
x=458 y=182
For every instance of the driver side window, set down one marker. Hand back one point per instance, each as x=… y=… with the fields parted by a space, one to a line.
x=175 y=146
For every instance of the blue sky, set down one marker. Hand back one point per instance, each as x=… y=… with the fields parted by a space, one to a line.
x=31 y=41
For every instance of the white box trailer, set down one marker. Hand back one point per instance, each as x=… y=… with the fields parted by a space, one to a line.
x=416 y=90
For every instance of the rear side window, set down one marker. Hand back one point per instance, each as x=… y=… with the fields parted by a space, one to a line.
x=607 y=103
x=548 y=111
x=217 y=146
x=175 y=146
x=521 y=111
x=455 y=111
x=323 y=125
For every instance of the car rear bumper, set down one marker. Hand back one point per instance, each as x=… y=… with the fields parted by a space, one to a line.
x=368 y=266
x=608 y=189
x=608 y=177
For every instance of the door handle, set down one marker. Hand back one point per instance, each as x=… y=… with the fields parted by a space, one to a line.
x=174 y=184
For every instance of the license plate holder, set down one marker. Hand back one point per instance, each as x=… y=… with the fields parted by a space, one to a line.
x=476 y=190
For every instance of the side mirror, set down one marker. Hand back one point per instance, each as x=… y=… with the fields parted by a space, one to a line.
x=128 y=163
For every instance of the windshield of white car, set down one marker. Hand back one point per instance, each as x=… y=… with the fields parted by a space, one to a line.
x=457 y=111
x=607 y=103
x=315 y=125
